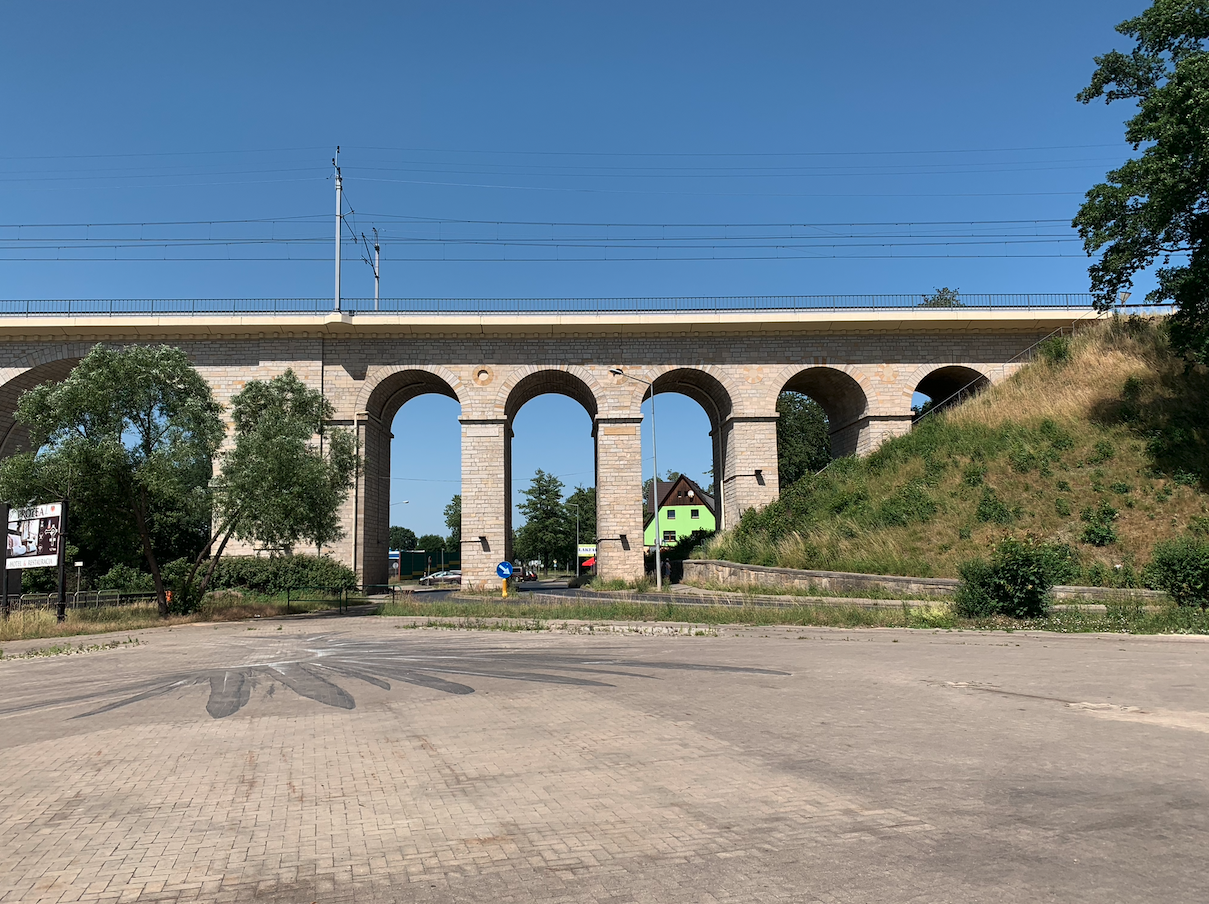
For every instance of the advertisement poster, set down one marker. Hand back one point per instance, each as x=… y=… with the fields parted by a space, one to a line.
x=34 y=535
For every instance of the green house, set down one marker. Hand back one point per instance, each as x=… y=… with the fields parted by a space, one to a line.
x=683 y=508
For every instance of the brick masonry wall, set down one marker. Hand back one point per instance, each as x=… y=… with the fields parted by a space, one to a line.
x=737 y=377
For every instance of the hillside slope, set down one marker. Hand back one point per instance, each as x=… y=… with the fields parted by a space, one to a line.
x=1099 y=443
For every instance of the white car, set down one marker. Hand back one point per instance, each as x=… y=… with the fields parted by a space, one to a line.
x=442 y=577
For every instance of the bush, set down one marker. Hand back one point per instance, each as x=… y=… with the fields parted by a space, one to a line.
x=1099 y=529
x=1181 y=568
x=1055 y=350
x=910 y=505
x=1017 y=581
x=276 y=574
x=126 y=578
x=992 y=509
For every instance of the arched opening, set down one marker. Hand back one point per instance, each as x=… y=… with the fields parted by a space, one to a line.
x=14 y=437
x=406 y=484
x=946 y=386
x=840 y=415
x=549 y=461
x=685 y=426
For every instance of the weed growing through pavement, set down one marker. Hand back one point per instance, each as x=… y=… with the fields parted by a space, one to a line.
x=69 y=650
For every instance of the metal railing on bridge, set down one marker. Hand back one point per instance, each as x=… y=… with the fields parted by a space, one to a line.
x=367 y=306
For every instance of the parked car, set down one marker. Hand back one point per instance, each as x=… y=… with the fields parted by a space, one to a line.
x=442 y=577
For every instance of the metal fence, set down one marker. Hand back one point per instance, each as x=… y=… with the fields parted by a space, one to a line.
x=85 y=599
x=700 y=304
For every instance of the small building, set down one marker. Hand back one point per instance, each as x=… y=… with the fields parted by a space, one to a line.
x=683 y=508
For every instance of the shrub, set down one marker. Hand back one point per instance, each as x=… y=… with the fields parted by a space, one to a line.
x=1181 y=568
x=1099 y=529
x=276 y=574
x=1102 y=451
x=909 y=505
x=973 y=474
x=1022 y=458
x=1058 y=438
x=1055 y=350
x=1017 y=580
x=992 y=509
x=1062 y=507
x=124 y=577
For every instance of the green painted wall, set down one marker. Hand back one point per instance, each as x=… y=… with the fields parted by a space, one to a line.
x=682 y=523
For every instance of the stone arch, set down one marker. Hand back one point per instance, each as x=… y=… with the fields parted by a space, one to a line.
x=702 y=387
x=947 y=384
x=14 y=437
x=383 y=394
x=528 y=383
x=524 y=386
x=843 y=398
x=388 y=389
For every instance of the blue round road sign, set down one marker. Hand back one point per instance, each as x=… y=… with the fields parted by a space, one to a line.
x=504 y=570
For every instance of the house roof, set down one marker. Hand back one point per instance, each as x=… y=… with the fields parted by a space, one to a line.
x=675 y=492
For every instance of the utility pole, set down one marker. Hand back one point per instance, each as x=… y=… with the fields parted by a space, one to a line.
x=339 y=222
x=377 y=271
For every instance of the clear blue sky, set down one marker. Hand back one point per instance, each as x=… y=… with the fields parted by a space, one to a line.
x=598 y=114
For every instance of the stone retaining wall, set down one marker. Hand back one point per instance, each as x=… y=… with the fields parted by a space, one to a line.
x=730 y=574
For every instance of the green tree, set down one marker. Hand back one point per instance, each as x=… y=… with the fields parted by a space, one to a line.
x=803 y=441
x=133 y=431
x=431 y=543
x=453 y=521
x=548 y=533
x=402 y=538
x=585 y=498
x=1156 y=207
x=943 y=298
x=286 y=476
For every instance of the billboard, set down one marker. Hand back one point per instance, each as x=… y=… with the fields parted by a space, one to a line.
x=35 y=535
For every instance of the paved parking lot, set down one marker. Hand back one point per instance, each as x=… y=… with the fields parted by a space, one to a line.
x=358 y=760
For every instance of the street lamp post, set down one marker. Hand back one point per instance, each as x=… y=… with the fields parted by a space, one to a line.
x=618 y=372
x=575 y=505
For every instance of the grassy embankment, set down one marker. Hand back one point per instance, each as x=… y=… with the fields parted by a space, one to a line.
x=1102 y=439
x=30 y=624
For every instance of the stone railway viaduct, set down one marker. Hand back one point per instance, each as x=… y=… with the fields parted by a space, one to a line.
x=861 y=365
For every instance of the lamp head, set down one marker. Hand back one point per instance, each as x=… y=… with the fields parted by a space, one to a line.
x=617 y=371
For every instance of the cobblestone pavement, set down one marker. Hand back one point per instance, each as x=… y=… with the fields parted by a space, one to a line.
x=355 y=760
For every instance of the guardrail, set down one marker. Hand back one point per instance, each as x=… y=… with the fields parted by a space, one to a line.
x=367 y=306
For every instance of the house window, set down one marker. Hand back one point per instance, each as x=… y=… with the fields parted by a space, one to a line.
x=669 y=536
x=670 y=514
x=694 y=513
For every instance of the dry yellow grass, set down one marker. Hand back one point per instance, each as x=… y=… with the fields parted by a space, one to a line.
x=1105 y=459
x=1102 y=357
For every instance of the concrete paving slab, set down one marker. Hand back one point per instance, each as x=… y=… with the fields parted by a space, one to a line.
x=365 y=760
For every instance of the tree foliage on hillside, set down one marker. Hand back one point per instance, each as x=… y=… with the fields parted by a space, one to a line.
x=943 y=298
x=1155 y=208
x=803 y=441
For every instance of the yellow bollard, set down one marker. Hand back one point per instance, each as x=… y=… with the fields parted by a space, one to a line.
x=504 y=588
